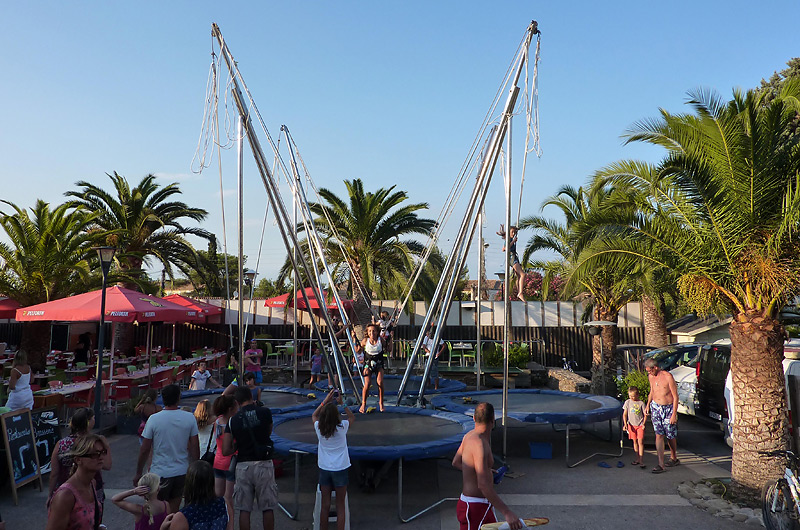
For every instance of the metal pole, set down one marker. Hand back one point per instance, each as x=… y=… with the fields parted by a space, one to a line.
x=481 y=272
x=101 y=338
x=240 y=280
x=507 y=291
x=295 y=284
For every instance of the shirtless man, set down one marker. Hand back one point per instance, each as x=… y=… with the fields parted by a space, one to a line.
x=662 y=406
x=474 y=459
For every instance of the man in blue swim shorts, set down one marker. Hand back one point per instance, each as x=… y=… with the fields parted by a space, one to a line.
x=662 y=407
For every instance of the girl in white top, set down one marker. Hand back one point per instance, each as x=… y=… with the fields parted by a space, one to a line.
x=373 y=364
x=333 y=458
x=20 y=395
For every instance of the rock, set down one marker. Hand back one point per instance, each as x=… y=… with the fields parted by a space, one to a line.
x=740 y=517
x=697 y=502
x=713 y=510
x=754 y=520
x=725 y=514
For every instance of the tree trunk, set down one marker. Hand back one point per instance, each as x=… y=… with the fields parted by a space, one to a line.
x=603 y=365
x=362 y=307
x=36 y=343
x=655 y=327
x=760 y=413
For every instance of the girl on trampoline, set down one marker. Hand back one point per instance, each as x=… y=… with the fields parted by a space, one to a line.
x=373 y=364
x=514 y=257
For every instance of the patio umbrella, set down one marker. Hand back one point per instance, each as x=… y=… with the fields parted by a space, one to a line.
x=122 y=305
x=206 y=312
x=8 y=307
x=285 y=301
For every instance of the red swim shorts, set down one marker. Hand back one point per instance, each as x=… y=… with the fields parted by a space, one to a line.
x=472 y=512
x=636 y=432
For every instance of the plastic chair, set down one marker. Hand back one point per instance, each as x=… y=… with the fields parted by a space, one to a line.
x=131 y=368
x=453 y=354
x=467 y=355
x=35 y=387
x=120 y=393
x=120 y=371
x=80 y=364
x=80 y=378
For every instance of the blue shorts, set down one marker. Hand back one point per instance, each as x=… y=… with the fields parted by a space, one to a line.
x=334 y=479
x=316 y=370
x=228 y=475
x=660 y=415
x=434 y=369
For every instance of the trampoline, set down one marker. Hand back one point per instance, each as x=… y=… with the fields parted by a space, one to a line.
x=279 y=399
x=391 y=385
x=541 y=406
x=399 y=433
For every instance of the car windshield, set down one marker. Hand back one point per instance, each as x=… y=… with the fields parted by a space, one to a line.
x=669 y=358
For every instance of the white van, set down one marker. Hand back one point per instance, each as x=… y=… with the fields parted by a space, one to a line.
x=791 y=366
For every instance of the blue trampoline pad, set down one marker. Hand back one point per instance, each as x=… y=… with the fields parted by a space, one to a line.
x=400 y=432
x=278 y=399
x=536 y=405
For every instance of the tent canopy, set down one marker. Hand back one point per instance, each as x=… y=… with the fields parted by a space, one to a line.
x=203 y=309
x=8 y=307
x=285 y=300
x=122 y=305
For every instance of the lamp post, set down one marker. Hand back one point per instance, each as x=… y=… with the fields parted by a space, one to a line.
x=106 y=255
x=501 y=275
x=595 y=330
x=249 y=280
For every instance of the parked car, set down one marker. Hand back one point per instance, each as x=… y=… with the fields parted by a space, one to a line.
x=791 y=367
x=686 y=380
x=712 y=369
x=674 y=355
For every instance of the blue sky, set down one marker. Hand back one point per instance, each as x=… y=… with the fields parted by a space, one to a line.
x=389 y=92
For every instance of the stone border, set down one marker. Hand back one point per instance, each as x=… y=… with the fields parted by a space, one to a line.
x=707 y=495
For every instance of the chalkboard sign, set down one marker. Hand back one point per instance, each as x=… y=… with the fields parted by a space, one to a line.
x=20 y=444
x=48 y=433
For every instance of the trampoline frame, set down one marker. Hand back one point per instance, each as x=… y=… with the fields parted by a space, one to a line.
x=281 y=445
x=609 y=410
x=445 y=385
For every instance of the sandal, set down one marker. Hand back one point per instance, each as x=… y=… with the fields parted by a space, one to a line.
x=636 y=463
x=672 y=463
x=604 y=465
x=658 y=469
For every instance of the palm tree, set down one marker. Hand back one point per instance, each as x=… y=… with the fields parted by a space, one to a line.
x=607 y=290
x=363 y=241
x=48 y=256
x=146 y=226
x=724 y=207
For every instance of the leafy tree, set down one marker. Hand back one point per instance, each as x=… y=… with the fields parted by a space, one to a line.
x=146 y=227
x=269 y=288
x=362 y=236
x=605 y=289
x=48 y=256
x=725 y=203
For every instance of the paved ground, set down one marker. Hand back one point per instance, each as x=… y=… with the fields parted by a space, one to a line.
x=584 y=497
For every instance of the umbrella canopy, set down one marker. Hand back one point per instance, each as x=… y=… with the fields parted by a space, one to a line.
x=122 y=305
x=284 y=301
x=203 y=309
x=8 y=307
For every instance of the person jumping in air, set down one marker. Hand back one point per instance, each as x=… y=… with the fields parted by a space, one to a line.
x=514 y=257
x=373 y=365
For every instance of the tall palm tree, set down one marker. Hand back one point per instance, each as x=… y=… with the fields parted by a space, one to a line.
x=48 y=256
x=146 y=226
x=725 y=208
x=363 y=241
x=607 y=290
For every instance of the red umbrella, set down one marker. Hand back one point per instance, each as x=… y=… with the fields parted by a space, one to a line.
x=283 y=301
x=8 y=307
x=203 y=309
x=122 y=305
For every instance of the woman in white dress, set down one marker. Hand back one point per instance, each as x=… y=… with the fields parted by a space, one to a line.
x=20 y=395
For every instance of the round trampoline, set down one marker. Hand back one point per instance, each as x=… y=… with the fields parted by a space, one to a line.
x=400 y=432
x=536 y=405
x=279 y=399
x=391 y=385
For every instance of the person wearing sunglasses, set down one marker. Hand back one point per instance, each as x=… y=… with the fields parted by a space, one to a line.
x=75 y=505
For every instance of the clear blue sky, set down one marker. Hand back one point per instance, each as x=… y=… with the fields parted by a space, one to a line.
x=389 y=92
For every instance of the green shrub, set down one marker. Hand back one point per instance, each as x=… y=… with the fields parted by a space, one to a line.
x=519 y=356
x=793 y=330
x=637 y=379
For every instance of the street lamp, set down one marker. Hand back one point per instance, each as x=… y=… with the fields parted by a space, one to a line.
x=501 y=275
x=249 y=277
x=106 y=255
x=595 y=330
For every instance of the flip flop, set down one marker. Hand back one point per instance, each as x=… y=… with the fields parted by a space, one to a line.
x=656 y=470
x=604 y=465
x=672 y=463
x=620 y=464
x=641 y=465
x=501 y=471
x=636 y=463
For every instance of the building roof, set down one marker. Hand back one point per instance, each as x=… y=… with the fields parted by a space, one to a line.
x=692 y=325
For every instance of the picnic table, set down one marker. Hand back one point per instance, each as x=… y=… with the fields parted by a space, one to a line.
x=55 y=396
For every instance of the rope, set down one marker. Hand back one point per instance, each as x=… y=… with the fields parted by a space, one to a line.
x=531 y=117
